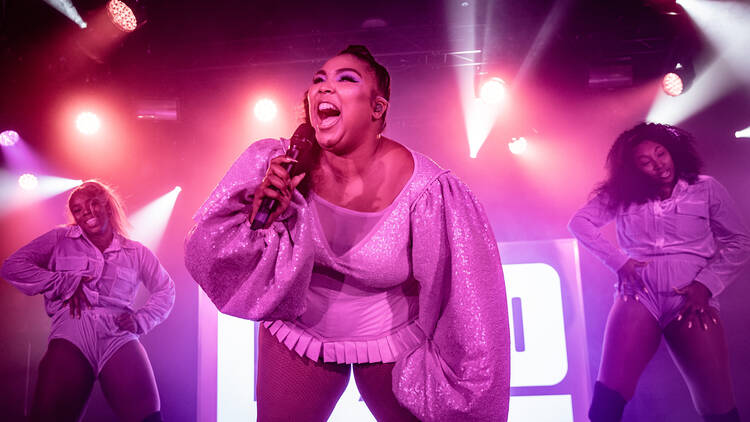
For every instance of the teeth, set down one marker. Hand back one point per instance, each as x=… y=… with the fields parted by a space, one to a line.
x=326 y=106
x=91 y=221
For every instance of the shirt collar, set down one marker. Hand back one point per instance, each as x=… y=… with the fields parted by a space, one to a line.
x=118 y=241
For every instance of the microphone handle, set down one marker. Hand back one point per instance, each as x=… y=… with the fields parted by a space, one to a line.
x=268 y=205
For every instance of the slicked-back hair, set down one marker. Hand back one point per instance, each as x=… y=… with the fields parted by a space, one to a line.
x=107 y=195
x=626 y=184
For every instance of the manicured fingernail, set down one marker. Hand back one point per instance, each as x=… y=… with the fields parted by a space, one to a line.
x=705 y=326
x=625 y=298
x=637 y=299
x=714 y=320
x=679 y=317
x=690 y=324
x=645 y=290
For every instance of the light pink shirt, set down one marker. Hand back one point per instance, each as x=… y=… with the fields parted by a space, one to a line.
x=54 y=264
x=699 y=219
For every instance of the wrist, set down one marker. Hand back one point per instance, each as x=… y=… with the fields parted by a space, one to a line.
x=702 y=288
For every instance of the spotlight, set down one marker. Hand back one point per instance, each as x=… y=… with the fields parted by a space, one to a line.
x=265 y=110
x=678 y=80
x=122 y=16
x=493 y=91
x=150 y=222
x=8 y=138
x=66 y=8
x=518 y=145
x=744 y=133
x=88 y=123
x=28 y=181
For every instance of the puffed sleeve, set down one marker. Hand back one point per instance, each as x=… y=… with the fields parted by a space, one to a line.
x=261 y=274
x=160 y=284
x=27 y=269
x=462 y=371
x=732 y=235
x=585 y=226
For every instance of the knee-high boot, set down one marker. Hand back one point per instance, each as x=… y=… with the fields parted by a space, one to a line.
x=607 y=404
x=731 y=416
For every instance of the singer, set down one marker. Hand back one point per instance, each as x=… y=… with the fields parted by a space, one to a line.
x=89 y=274
x=683 y=241
x=373 y=257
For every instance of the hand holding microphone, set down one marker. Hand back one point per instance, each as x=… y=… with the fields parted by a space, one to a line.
x=284 y=173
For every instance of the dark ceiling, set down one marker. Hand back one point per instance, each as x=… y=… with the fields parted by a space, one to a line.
x=43 y=51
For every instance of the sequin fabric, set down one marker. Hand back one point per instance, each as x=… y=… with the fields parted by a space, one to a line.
x=437 y=233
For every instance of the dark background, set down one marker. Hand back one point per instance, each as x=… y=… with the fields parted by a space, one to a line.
x=215 y=59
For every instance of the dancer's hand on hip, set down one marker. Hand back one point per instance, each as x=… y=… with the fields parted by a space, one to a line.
x=696 y=311
x=78 y=301
x=126 y=322
x=629 y=278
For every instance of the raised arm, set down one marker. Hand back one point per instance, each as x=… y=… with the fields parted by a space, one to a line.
x=254 y=274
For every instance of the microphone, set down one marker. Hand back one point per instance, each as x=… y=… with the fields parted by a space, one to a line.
x=299 y=148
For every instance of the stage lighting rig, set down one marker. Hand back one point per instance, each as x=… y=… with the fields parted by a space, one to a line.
x=678 y=79
x=126 y=15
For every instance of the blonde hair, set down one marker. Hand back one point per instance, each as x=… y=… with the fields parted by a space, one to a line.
x=115 y=209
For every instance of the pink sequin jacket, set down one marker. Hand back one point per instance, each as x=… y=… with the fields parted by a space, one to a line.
x=438 y=231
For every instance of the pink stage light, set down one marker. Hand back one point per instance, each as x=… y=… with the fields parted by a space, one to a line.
x=518 y=145
x=265 y=110
x=8 y=138
x=493 y=91
x=672 y=84
x=28 y=181
x=122 y=16
x=88 y=123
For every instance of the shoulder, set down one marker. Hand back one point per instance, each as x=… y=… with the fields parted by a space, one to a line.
x=264 y=148
x=426 y=175
x=707 y=184
x=138 y=248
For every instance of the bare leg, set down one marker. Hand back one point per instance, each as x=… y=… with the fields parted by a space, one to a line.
x=64 y=383
x=703 y=358
x=295 y=388
x=374 y=382
x=128 y=383
x=630 y=341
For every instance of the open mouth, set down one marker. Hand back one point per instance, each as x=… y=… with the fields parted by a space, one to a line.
x=328 y=114
x=91 y=222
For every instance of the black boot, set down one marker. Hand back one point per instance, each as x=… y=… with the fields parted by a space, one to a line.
x=731 y=416
x=154 y=417
x=607 y=404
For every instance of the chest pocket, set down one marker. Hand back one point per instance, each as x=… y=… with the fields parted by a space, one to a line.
x=70 y=263
x=691 y=220
x=634 y=223
x=126 y=282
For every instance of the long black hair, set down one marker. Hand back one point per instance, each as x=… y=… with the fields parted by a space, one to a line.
x=626 y=184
